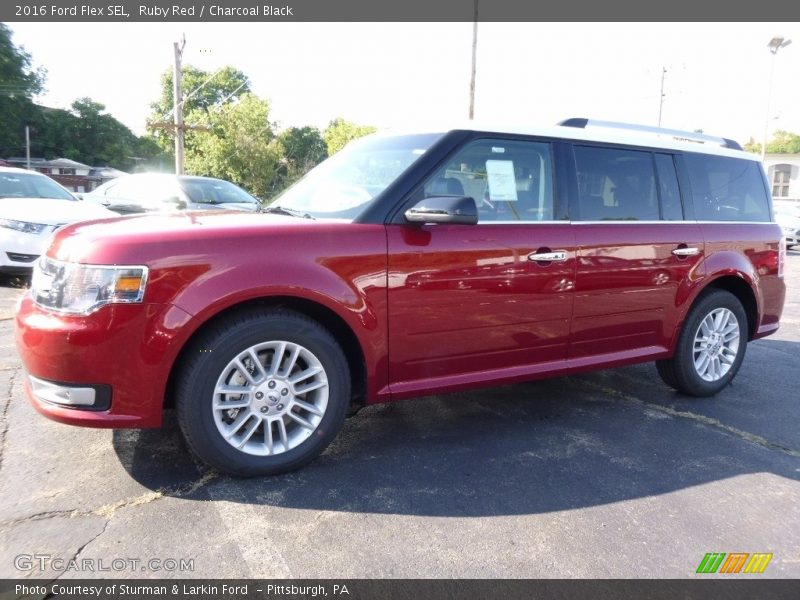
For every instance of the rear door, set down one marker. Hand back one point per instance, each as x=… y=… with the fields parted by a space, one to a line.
x=636 y=253
x=471 y=303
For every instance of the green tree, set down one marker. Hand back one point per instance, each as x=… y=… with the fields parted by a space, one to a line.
x=240 y=145
x=19 y=83
x=339 y=132
x=303 y=149
x=202 y=90
x=85 y=133
x=17 y=75
x=88 y=134
x=98 y=138
x=148 y=155
x=782 y=142
x=752 y=146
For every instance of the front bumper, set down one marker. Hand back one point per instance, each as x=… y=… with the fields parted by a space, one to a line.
x=127 y=348
x=19 y=251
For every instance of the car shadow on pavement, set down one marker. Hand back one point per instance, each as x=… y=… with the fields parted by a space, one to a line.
x=531 y=448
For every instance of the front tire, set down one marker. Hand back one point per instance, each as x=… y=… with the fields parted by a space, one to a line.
x=262 y=393
x=711 y=346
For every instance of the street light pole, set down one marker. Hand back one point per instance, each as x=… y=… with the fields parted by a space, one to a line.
x=774 y=45
x=661 y=96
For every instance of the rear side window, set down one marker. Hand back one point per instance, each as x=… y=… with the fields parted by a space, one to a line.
x=727 y=189
x=616 y=185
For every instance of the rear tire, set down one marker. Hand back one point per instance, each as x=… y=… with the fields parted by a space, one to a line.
x=710 y=348
x=249 y=418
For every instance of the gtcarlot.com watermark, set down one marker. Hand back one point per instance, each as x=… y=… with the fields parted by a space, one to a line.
x=50 y=562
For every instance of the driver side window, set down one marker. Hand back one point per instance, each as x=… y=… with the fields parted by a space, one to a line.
x=509 y=180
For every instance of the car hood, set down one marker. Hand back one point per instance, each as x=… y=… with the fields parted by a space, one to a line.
x=50 y=211
x=162 y=234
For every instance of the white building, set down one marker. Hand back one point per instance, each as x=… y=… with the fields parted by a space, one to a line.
x=783 y=172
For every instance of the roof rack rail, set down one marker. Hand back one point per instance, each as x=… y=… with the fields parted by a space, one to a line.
x=688 y=136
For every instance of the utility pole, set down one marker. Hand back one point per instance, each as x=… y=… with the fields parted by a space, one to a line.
x=177 y=127
x=474 y=63
x=28 y=146
x=661 y=95
x=177 y=101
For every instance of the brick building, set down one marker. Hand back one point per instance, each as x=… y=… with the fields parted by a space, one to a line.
x=73 y=175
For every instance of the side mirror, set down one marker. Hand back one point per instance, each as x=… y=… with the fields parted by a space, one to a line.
x=78 y=195
x=460 y=210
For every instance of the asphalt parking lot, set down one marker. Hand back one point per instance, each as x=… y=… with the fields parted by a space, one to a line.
x=609 y=474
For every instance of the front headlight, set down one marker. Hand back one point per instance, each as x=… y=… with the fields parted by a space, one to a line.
x=23 y=226
x=80 y=289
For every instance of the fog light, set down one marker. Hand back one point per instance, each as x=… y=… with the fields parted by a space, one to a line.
x=61 y=394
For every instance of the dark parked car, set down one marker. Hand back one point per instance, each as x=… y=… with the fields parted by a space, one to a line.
x=403 y=266
x=156 y=192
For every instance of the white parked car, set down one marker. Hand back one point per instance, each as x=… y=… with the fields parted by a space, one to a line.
x=32 y=207
x=787 y=215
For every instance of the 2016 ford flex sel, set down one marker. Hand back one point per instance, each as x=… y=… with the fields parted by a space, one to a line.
x=407 y=265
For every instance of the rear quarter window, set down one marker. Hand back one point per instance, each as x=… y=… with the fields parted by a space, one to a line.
x=727 y=189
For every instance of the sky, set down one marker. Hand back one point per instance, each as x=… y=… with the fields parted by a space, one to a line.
x=401 y=74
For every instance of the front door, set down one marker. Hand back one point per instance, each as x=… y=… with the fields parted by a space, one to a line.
x=469 y=303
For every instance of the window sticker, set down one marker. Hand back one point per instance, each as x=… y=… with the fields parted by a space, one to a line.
x=502 y=183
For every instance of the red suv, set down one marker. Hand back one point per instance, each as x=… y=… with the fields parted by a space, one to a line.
x=407 y=265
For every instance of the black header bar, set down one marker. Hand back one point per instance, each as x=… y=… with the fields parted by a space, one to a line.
x=734 y=587
x=394 y=10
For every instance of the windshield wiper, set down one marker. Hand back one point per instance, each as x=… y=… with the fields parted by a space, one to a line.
x=280 y=210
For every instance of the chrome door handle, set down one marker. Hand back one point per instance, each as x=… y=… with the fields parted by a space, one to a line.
x=686 y=251
x=556 y=256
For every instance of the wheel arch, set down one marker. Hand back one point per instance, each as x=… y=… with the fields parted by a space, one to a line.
x=742 y=290
x=325 y=316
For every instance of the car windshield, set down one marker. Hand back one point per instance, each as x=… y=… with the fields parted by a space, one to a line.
x=343 y=185
x=23 y=185
x=215 y=191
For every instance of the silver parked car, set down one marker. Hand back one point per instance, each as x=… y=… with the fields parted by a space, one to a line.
x=157 y=192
